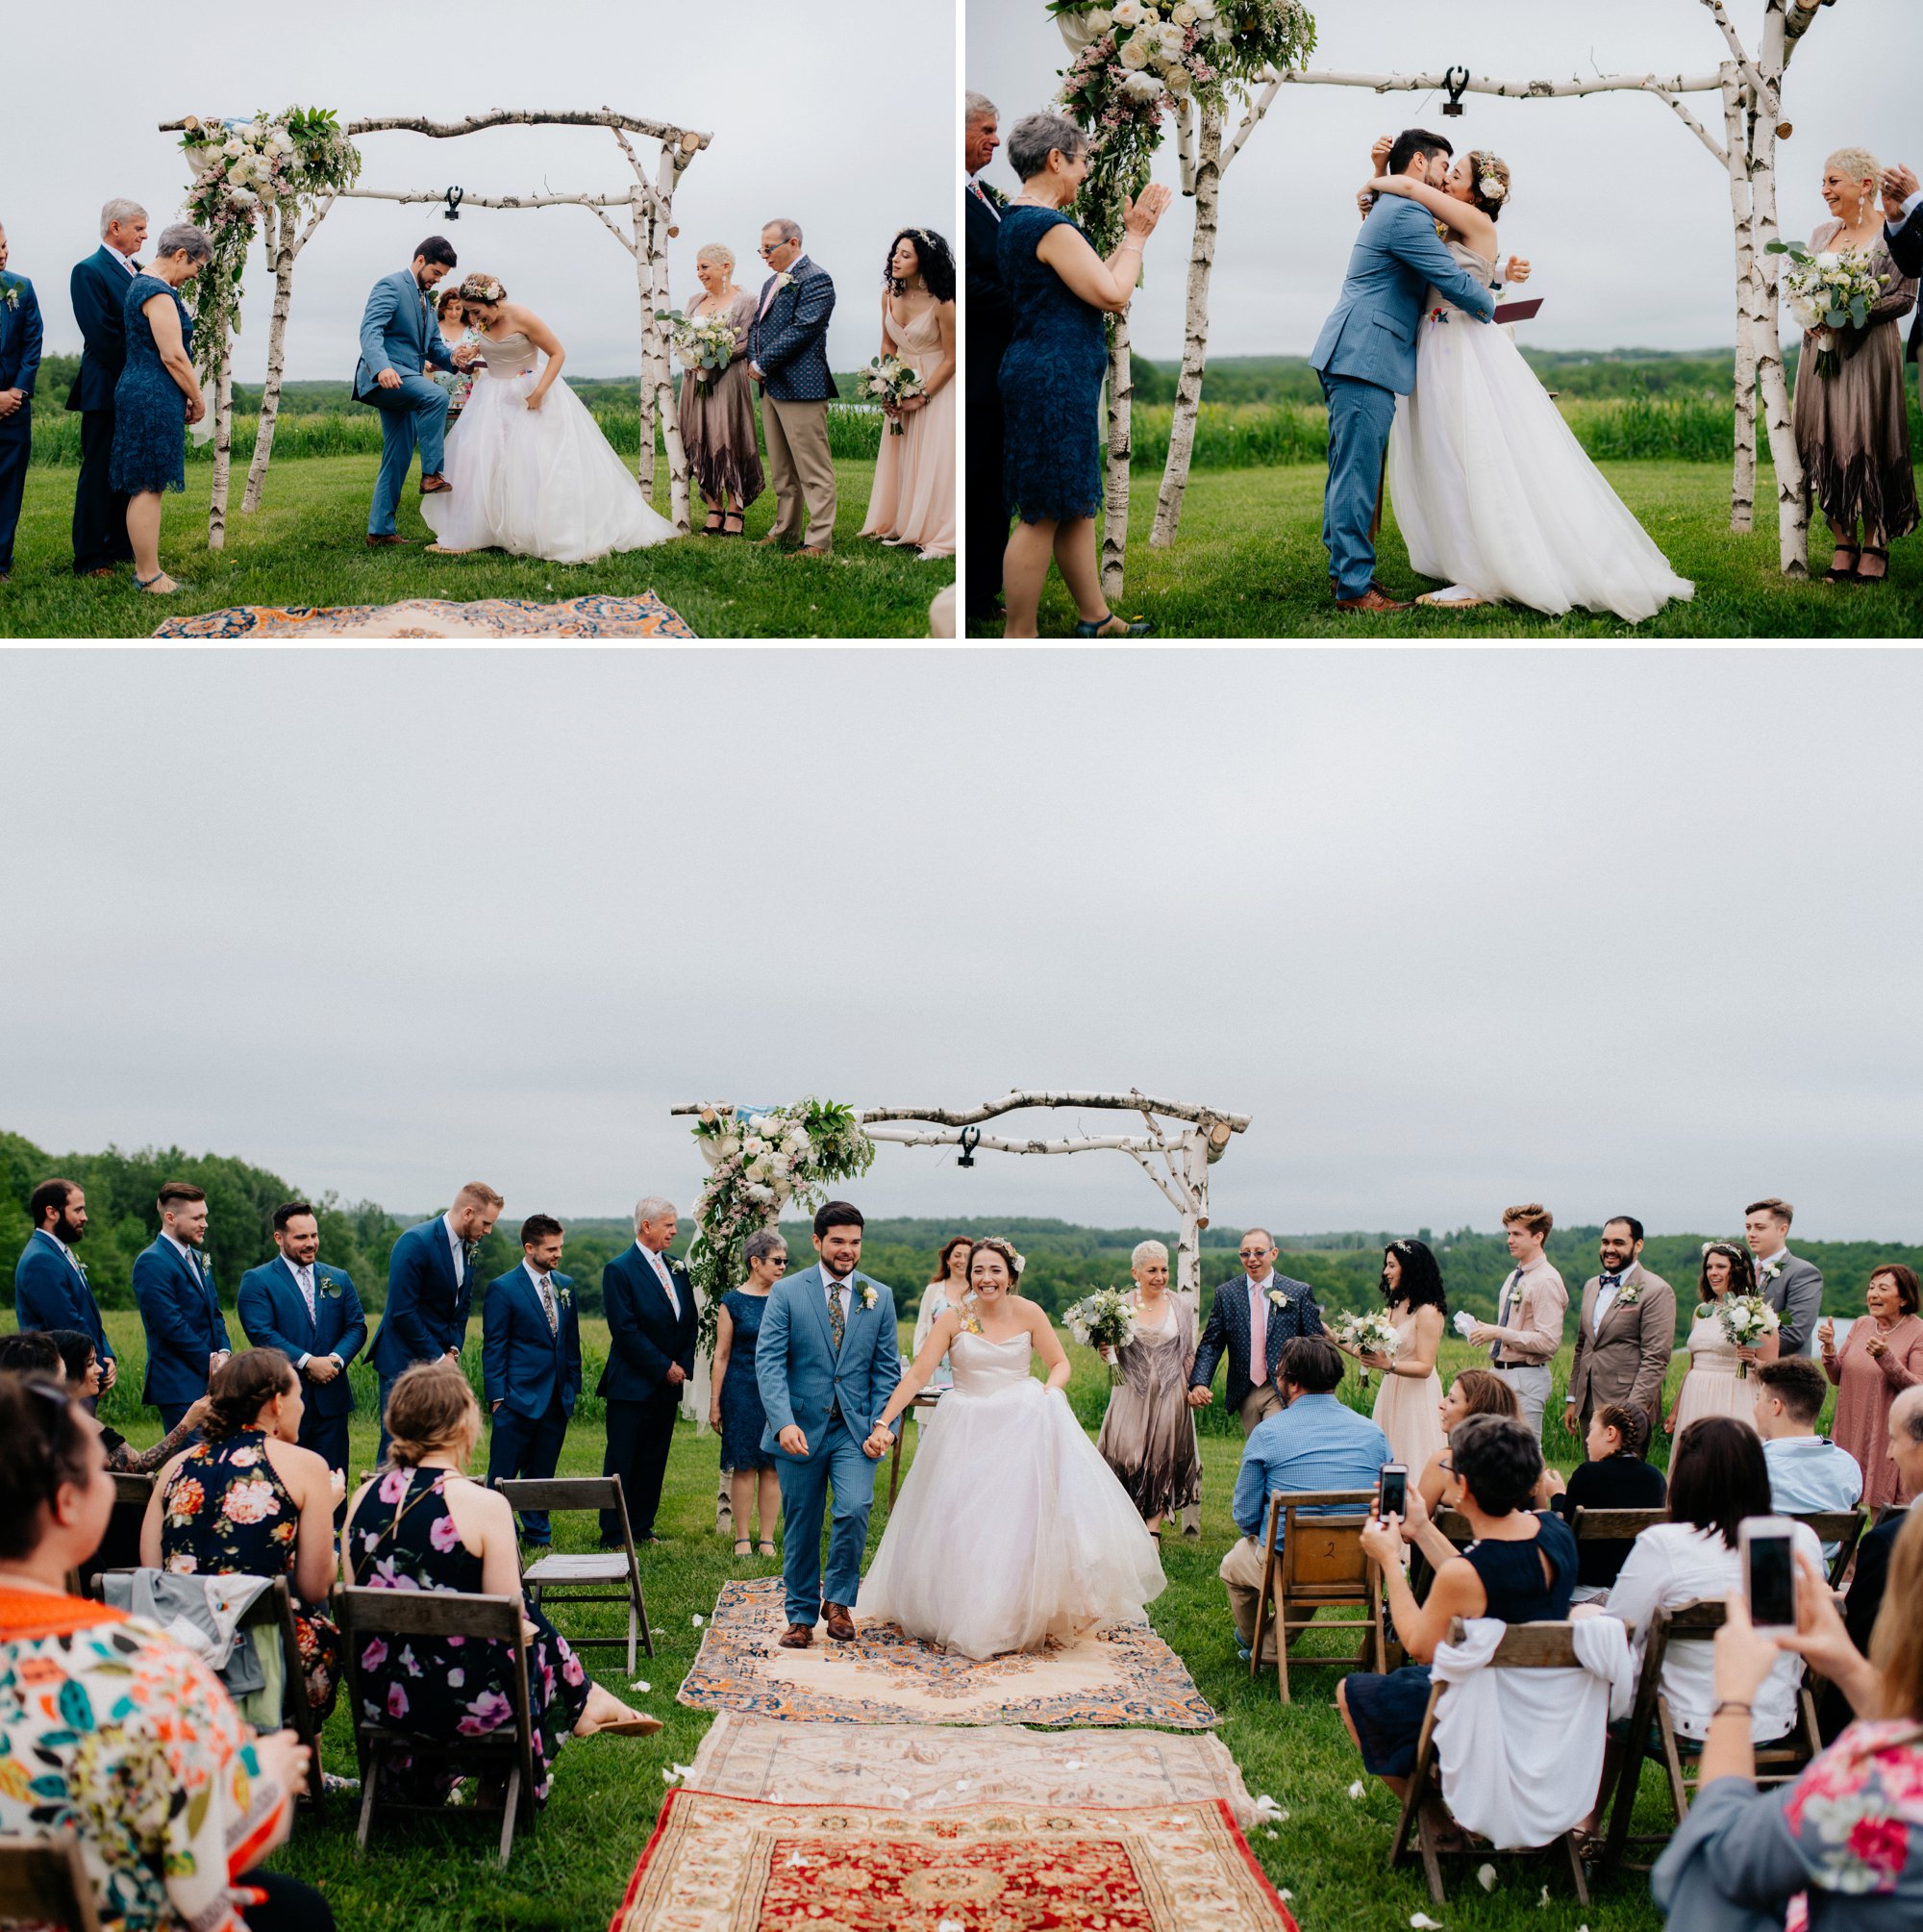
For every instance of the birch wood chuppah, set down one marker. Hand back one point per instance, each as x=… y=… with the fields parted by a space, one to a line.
x=287 y=222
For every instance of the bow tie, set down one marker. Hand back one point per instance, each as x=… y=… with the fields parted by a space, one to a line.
x=1612 y=1280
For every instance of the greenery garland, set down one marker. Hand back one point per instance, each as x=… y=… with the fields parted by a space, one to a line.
x=237 y=167
x=762 y=1161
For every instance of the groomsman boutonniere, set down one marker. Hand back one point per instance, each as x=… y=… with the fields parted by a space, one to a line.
x=1769 y=1273
x=1276 y=1299
x=328 y=1288
x=1628 y=1295
x=563 y=1295
x=9 y=292
x=867 y=1290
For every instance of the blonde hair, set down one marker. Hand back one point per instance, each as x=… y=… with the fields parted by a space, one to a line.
x=479 y=1191
x=716 y=251
x=431 y=1409
x=1854 y=164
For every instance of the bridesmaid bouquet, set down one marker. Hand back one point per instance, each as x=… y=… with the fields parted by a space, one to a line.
x=704 y=345
x=1370 y=1335
x=1746 y=1319
x=1828 y=292
x=891 y=382
x=1103 y=1319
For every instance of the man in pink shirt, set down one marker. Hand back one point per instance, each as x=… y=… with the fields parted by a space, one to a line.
x=1528 y=1329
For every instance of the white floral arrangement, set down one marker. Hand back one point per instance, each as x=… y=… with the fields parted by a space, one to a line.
x=1833 y=289
x=1746 y=1319
x=704 y=345
x=1107 y=1318
x=1370 y=1335
x=891 y=382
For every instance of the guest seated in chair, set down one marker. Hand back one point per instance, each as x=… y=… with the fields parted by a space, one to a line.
x=1314 y=1441
x=117 y=1716
x=424 y=1525
x=1615 y=1477
x=1520 y=1568
x=250 y=1501
x=80 y=1363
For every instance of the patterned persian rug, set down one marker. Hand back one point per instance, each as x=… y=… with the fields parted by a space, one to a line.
x=730 y=1865
x=642 y=616
x=936 y=1768
x=1125 y=1675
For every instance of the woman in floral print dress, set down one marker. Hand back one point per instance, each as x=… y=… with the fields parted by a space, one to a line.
x=421 y=1524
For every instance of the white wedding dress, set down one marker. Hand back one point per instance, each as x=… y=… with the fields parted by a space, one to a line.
x=1492 y=489
x=1009 y=1528
x=536 y=483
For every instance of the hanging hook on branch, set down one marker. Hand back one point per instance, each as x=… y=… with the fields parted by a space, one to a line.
x=455 y=197
x=971 y=1139
x=1453 y=106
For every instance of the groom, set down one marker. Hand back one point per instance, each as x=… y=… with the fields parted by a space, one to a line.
x=828 y=1360
x=399 y=336
x=1366 y=357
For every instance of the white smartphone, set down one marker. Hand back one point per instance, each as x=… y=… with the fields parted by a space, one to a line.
x=1769 y=1574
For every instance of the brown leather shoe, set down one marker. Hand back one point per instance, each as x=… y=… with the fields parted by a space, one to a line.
x=813 y=550
x=386 y=543
x=105 y=571
x=1371 y=599
x=436 y=484
x=770 y=541
x=840 y=1625
x=797 y=1637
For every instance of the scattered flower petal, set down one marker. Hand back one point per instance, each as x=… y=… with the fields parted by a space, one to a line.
x=1486 y=1877
x=1544 y=1900
x=699 y=1621
x=1422 y=1922
x=641 y=1685
x=1357 y=1792
x=674 y=1773
x=962 y=1784
x=1287 y=1895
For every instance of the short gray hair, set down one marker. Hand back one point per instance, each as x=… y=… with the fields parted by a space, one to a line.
x=979 y=107
x=1035 y=136
x=788 y=231
x=651 y=1208
x=1906 y=1412
x=762 y=1243
x=715 y=251
x=121 y=211
x=183 y=238
x=1146 y=1251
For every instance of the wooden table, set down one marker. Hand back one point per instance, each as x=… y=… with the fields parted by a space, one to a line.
x=927 y=1399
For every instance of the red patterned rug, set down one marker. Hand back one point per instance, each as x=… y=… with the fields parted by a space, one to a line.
x=487 y=617
x=735 y=1865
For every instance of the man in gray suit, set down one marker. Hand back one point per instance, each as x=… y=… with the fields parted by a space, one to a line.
x=1790 y=1284
x=1624 y=1334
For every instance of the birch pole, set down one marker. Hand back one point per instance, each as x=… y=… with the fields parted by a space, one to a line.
x=1120 y=452
x=286 y=234
x=223 y=433
x=1736 y=155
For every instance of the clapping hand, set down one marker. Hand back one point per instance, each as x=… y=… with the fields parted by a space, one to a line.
x=1877 y=1347
x=1899 y=183
x=110 y=1374
x=1139 y=218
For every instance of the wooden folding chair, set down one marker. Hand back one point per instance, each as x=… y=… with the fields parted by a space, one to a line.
x=121 y=1547
x=601 y=1567
x=1618 y=1526
x=43 y=1881
x=1525 y=1646
x=1318 y=1564
x=1652 y=1732
x=273 y=1611
x=507 y=1754
x=1842 y=1527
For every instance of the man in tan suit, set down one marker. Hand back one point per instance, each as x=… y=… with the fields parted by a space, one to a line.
x=787 y=356
x=1624 y=1334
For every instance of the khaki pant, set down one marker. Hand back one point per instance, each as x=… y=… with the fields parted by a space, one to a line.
x=1243 y=1571
x=801 y=469
x=1263 y=1399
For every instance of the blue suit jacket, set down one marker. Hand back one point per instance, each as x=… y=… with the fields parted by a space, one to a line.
x=273 y=1312
x=398 y=332
x=800 y=1374
x=19 y=335
x=523 y=1366
x=180 y=1309
x=1370 y=337
x=50 y=1293
x=426 y=1313
x=644 y=1333
x=98 y=290
x=789 y=344
x=1228 y=1329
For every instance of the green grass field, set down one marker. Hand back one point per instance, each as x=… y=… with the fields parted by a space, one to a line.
x=569 y=1874
x=306 y=545
x=1249 y=563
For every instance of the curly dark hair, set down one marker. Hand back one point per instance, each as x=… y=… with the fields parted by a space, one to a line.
x=1421 y=1277
x=932 y=254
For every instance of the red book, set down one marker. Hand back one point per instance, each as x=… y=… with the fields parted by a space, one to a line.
x=1516 y=311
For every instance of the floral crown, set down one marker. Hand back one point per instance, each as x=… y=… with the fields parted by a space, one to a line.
x=481 y=288
x=1491 y=174
x=1730 y=1248
x=1006 y=1249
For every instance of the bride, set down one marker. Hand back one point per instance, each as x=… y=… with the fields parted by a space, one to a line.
x=1009 y=1528
x=1492 y=491
x=529 y=470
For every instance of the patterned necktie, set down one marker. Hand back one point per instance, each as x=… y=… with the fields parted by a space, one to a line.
x=1502 y=1314
x=547 y=1306
x=306 y=1279
x=838 y=1322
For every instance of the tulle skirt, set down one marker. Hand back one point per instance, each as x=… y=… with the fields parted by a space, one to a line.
x=1010 y=1529
x=1494 y=492
x=1714 y=1390
x=538 y=482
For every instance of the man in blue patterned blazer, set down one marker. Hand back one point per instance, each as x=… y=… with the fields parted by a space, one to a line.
x=787 y=356
x=19 y=365
x=1258 y=1303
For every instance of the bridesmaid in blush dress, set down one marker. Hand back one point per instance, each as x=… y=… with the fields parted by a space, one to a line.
x=1713 y=1384
x=913 y=501
x=717 y=424
x=1407 y=1408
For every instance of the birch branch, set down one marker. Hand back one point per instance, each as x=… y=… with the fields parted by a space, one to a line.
x=1185 y=141
x=1694 y=126
x=1738 y=52
x=1133 y=1102
x=1169 y=1190
x=604 y=118
x=911 y=1137
x=600 y=215
x=595 y=201
x=648 y=186
x=1513 y=90
x=1258 y=108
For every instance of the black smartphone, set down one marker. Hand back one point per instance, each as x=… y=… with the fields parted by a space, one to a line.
x=1769 y=1573
x=1394 y=1489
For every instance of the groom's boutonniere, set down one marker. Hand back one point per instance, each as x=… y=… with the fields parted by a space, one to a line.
x=1276 y=1299
x=866 y=1292
x=782 y=278
x=9 y=292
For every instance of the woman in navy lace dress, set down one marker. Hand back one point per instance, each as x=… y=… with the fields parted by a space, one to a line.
x=158 y=394
x=736 y=1410
x=1050 y=378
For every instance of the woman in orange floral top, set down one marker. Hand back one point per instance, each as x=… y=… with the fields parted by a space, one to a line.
x=110 y=1730
x=250 y=1501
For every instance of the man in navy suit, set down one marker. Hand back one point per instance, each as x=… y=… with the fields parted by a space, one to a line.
x=1903 y=230
x=1258 y=1302
x=50 y=1288
x=431 y=1288
x=19 y=365
x=531 y=1364
x=312 y=1313
x=180 y=1307
x=649 y=1304
x=98 y=289
x=991 y=329
x=787 y=356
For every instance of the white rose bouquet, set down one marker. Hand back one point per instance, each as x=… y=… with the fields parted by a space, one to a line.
x=704 y=345
x=891 y=382
x=1103 y=1319
x=1370 y=1335
x=1826 y=292
x=1746 y=1319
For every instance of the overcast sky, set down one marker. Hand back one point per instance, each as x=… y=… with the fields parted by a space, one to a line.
x=1624 y=213
x=1617 y=931
x=763 y=78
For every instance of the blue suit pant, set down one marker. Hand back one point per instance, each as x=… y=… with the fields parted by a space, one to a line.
x=15 y=443
x=527 y=1447
x=1360 y=417
x=640 y=1436
x=171 y=1414
x=327 y=1436
x=838 y=1462
x=415 y=414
